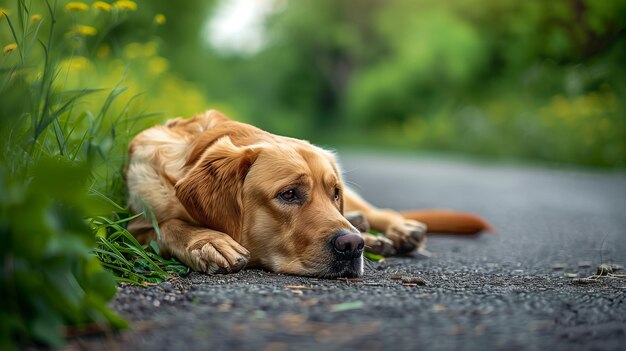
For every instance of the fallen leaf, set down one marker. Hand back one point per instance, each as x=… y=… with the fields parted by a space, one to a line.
x=413 y=280
x=346 y=306
x=298 y=287
x=439 y=308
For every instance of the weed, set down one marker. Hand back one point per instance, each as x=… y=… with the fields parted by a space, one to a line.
x=62 y=140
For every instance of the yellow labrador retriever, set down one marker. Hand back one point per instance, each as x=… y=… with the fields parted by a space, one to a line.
x=227 y=195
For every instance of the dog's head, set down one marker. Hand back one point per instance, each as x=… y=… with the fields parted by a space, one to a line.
x=282 y=199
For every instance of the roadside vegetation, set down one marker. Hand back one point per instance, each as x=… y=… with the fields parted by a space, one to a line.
x=524 y=80
x=71 y=97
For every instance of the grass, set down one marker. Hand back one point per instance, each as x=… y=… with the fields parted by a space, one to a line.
x=131 y=262
x=66 y=123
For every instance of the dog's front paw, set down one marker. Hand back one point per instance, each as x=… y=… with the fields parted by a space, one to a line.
x=358 y=220
x=379 y=245
x=218 y=254
x=407 y=235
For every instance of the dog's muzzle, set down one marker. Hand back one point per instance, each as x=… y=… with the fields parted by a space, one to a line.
x=347 y=251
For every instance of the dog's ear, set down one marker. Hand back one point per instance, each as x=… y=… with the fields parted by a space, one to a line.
x=212 y=189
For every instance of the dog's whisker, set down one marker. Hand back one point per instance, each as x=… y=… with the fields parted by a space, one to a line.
x=353 y=185
x=309 y=266
x=368 y=264
x=294 y=260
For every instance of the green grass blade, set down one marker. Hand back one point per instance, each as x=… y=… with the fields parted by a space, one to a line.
x=95 y=192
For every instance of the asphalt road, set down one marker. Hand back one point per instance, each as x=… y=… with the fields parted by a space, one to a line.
x=505 y=291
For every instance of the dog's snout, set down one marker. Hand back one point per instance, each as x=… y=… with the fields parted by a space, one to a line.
x=348 y=244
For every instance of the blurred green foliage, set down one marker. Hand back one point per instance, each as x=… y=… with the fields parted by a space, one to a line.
x=541 y=80
x=49 y=277
x=69 y=104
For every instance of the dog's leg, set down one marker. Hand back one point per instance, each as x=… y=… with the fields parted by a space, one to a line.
x=379 y=245
x=201 y=249
x=376 y=244
x=407 y=235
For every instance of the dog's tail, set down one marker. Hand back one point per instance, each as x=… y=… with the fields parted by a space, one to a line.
x=445 y=221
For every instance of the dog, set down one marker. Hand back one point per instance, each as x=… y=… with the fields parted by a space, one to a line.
x=226 y=195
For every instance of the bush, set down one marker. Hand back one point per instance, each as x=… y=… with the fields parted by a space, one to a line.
x=69 y=104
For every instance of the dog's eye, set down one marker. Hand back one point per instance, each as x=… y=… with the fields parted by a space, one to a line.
x=337 y=194
x=289 y=196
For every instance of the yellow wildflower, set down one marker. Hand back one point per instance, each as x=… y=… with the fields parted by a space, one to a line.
x=160 y=19
x=76 y=6
x=133 y=50
x=150 y=48
x=75 y=63
x=4 y=12
x=101 y=6
x=7 y=49
x=103 y=51
x=125 y=5
x=158 y=65
x=87 y=31
x=80 y=63
x=35 y=18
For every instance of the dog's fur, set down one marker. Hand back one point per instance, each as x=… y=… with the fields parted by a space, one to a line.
x=218 y=190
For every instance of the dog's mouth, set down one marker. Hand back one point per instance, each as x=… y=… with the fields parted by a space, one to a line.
x=343 y=269
x=340 y=267
x=342 y=257
x=326 y=268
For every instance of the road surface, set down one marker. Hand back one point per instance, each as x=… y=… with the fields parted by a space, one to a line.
x=512 y=290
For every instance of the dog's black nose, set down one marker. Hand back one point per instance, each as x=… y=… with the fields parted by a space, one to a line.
x=348 y=244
